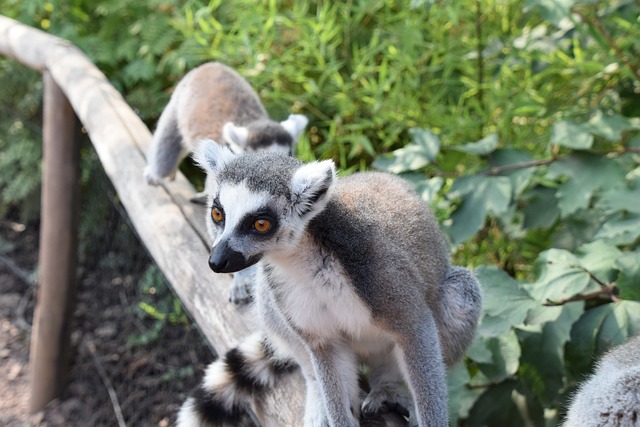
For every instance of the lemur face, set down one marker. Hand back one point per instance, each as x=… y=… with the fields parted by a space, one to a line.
x=261 y=203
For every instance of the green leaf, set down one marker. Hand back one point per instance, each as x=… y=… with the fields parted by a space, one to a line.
x=461 y=396
x=586 y=173
x=420 y=152
x=629 y=279
x=562 y=276
x=496 y=407
x=498 y=287
x=571 y=135
x=611 y=126
x=428 y=188
x=599 y=329
x=481 y=195
x=483 y=147
x=505 y=358
x=621 y=199
x=541 y=208
x=542 y=361
x=599 y=258
x=520 y=178
x=623 y=229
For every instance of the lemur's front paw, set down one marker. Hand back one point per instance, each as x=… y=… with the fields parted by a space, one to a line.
x=242 y=286
x=386 y=397
x=151 y=177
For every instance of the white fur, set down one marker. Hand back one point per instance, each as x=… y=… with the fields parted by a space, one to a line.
x=307 y=181
x=243 y=201
x=295 y=124
x=233 y=134
x=211 y=156
x=187 y=416
x=318 y=297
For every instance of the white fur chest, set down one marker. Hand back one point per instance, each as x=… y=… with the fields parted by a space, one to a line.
x=315 y=294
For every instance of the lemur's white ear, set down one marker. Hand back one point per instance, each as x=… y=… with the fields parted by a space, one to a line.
x=311 y=187
x=295 y=124
x=237 y=135
x=211 y=156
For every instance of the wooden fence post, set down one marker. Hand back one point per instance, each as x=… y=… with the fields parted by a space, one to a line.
x=50 y=340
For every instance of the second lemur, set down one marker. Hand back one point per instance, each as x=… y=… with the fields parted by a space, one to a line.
x=214 y=102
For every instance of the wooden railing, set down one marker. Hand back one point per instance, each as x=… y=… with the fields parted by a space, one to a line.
x=172 y=229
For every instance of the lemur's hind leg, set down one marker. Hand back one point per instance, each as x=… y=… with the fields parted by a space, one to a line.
x=387 y=390
x=232 y=382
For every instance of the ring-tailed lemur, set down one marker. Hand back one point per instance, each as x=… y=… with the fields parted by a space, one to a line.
x=611 y=397
x=351 y=270
x=214 y=102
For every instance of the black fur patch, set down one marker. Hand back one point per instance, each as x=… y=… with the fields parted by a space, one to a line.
x=236 y=366
x=278 y=367
x=213 y=412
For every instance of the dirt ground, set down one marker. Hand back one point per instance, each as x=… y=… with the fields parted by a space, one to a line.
x=126 y=369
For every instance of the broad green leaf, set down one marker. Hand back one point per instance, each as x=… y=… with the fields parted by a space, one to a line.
x=621 y=199
x=481 y=195
x=599 y=258
x=428 y=141
x=428 y=188
x=571 y=135
x=623 y=229
x=483 y=147
x=629 y=279
x=461 y=396
x=586 y=173
x=420 y=152
x=498 y=287
x=541 y=209
x=496 y=407
x=562 y=276
x=610 y=127
x=520 y=178
x=599 y=329
x=505 y=358
x=542 y=361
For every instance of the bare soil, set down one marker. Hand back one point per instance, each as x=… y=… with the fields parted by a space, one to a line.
x=129 y=367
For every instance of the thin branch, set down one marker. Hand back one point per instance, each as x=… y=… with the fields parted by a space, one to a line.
x=507 y=168
x=608 y=293
x=105 y=380
x=17 y=271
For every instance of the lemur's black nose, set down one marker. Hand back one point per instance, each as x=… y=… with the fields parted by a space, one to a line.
x=223 y=259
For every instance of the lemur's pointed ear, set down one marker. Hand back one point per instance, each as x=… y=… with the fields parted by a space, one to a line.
x=237 y=135
x=311 y=187
x=212 y=156
x=295 y=124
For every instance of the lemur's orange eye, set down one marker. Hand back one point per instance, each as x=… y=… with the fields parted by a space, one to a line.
x=262 y=225
x=216 y=214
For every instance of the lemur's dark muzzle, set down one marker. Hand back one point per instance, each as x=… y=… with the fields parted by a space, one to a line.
x=223 y=259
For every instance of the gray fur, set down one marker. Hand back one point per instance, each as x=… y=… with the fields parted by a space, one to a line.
x=611 y=396
x=354 y=270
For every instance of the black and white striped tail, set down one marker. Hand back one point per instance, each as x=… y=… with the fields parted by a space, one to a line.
x=232 y=382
